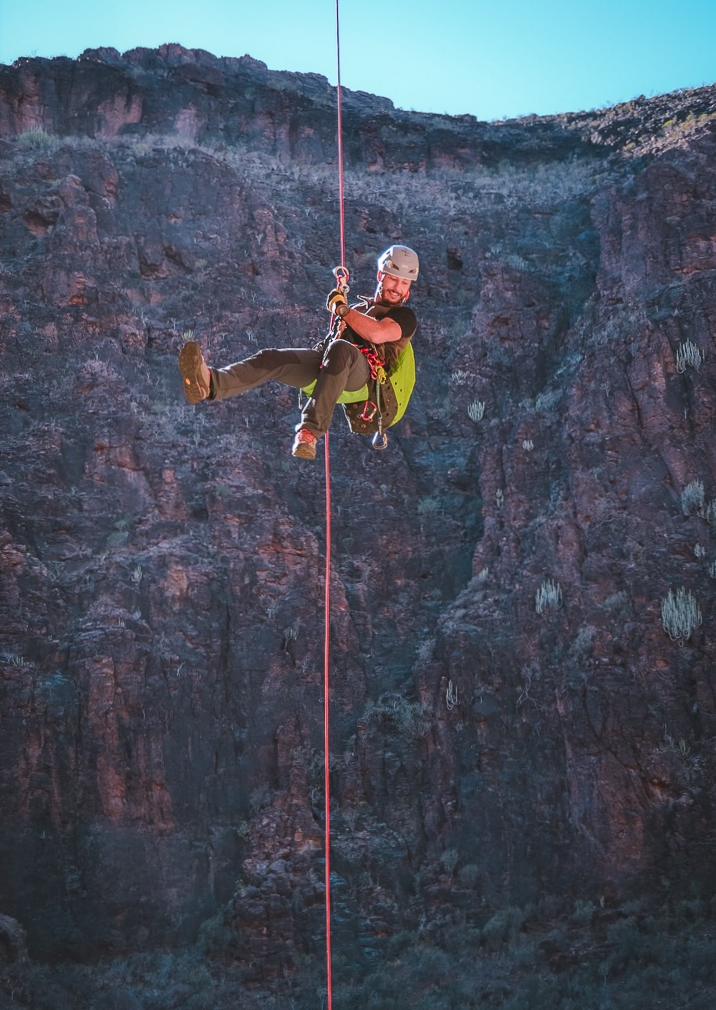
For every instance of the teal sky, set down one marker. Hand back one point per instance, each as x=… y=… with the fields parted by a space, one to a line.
x=494 y=60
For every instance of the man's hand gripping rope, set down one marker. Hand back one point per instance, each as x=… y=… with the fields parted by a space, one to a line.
x=337 y=301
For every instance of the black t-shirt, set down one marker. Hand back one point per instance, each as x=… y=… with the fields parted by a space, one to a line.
x=401 y=314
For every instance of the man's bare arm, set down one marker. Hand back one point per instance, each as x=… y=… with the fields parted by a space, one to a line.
x=378 y=331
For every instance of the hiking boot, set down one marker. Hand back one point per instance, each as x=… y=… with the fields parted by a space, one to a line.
x=194 y=372
x=304 y=445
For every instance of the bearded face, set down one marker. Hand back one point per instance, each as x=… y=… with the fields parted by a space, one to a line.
x=392 y=290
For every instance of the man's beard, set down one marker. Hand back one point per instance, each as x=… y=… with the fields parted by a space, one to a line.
x=381 y=298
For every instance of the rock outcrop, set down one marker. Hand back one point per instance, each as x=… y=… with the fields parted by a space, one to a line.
x=523 y=585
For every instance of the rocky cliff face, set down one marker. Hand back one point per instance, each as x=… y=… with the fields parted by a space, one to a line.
x=523 y=585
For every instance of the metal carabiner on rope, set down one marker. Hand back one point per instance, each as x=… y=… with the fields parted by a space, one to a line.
x=380 y=439
x=342 y=276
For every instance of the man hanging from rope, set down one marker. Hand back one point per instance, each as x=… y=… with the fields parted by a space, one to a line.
x=366 y=342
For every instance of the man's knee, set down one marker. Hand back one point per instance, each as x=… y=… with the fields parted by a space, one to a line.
x=339 y=356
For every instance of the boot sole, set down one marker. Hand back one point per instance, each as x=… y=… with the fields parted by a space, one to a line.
x=303 y=451
x=190 y=362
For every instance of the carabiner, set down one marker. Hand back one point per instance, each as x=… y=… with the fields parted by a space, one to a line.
x=380 y=439
x=342 y=277
x=370 y=409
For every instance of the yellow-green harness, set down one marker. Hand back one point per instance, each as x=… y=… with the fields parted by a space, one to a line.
x=388 y=396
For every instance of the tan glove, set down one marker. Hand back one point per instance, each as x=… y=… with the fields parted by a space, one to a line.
x=337 y=303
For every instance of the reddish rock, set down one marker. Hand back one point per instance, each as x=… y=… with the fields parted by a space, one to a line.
x=161 y=566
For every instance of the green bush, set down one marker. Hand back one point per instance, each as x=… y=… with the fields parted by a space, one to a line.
x=680 y=614
x=36 y=139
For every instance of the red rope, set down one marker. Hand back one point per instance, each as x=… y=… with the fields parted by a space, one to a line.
x=326 y=745
x=327 y=637
x=341 y=186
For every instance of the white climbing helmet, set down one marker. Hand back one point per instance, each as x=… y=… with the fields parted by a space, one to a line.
x=399 y=261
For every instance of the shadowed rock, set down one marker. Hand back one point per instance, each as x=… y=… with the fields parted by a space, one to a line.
x=161 y=566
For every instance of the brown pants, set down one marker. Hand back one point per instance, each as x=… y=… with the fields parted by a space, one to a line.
x=342 y=367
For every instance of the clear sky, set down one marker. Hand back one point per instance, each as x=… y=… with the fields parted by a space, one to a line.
x=496 y=60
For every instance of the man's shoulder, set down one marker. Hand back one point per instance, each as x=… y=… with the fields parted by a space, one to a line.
x=402 y=312
x=405 y=318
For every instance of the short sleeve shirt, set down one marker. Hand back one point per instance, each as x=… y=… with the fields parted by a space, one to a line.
x=391 y=350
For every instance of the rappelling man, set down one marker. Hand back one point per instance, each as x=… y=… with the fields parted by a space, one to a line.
x=365 y=362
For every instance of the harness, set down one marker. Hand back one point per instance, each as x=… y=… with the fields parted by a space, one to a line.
x=372 y=412
x=377 y=369
x=384 y=398
x=379 y=376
